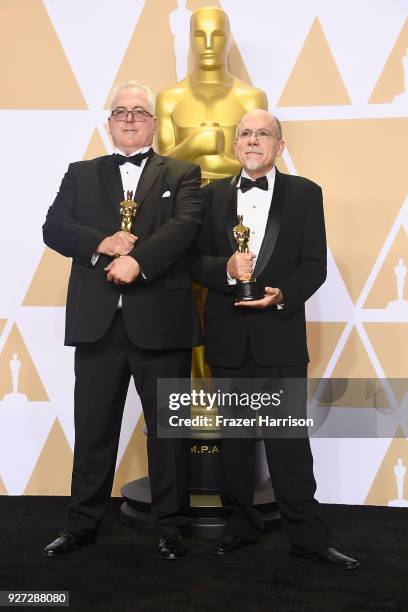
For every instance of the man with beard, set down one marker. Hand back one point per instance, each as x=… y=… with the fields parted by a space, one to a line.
x=264 y=338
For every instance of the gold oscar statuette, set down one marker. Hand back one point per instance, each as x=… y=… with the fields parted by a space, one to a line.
x=128 y=210
x=245 y=290
x=198 y=116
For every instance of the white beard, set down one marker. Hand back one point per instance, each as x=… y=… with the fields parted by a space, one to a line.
x=253 y=164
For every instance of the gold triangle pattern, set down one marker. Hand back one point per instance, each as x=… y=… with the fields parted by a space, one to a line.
x=33 y=61
x=391 y=80
x=49 y=283
x=53 y=469
x=96 y=147
x=160 y=71
x=315 y=79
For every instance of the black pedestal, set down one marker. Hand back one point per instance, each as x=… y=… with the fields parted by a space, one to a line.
x=208 y=517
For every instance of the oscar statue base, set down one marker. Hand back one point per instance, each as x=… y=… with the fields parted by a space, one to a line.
x=207 y=514
x=247 y=291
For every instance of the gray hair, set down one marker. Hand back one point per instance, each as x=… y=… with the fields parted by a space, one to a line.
x=277 y=127
x=132 y=85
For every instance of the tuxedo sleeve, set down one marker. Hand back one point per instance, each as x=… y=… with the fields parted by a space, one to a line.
x=172 y=240
x=62 y=232
x=311 y=271
x=207 y=268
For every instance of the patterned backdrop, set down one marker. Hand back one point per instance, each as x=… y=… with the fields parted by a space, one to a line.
x=336 y=73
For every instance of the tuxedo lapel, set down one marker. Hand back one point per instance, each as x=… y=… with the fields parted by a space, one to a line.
x=110 y=176
x=231 y=212
x=149 y=175
x=272 y=225
x=112 y=181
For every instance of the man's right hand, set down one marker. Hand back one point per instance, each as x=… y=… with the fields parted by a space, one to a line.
x=240 y=266
x=120 y=243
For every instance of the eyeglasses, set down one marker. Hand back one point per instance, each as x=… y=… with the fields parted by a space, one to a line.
x=138 y=114
x=259 y=134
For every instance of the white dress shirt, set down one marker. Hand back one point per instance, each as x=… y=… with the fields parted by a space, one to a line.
x=254 y=207
x=131 y=173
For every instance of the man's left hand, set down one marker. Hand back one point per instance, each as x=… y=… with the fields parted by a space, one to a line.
x=272 y=296
x=122 y=270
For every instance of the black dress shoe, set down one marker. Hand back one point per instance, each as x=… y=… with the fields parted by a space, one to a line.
x=171 y=546
x=228 y=544
x=67 y=542
x=330 y=556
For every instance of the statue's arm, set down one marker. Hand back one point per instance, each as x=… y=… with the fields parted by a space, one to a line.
x=207 y=140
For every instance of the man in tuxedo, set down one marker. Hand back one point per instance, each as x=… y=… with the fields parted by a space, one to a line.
x=130 y=311
x=264 y=338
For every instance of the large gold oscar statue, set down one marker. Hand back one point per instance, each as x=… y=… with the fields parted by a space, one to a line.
x=198 y=115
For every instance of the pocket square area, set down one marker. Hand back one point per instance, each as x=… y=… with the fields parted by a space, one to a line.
x=166 y=194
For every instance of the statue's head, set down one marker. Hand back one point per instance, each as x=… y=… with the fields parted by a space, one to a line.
x=210 y=37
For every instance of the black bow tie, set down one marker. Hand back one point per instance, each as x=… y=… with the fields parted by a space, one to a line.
x=246 y=184
x=133 y=159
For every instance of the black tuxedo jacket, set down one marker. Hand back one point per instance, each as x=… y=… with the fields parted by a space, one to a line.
x=292 y=257
x=159 y=310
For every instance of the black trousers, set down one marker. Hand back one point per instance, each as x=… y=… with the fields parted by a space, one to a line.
x=290 y=464
x=103 y=370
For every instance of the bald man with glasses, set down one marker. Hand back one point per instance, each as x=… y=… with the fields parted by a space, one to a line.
x=264 y=338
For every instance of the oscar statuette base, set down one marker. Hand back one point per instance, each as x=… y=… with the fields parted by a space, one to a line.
x=207 y=514
x=247 y=291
